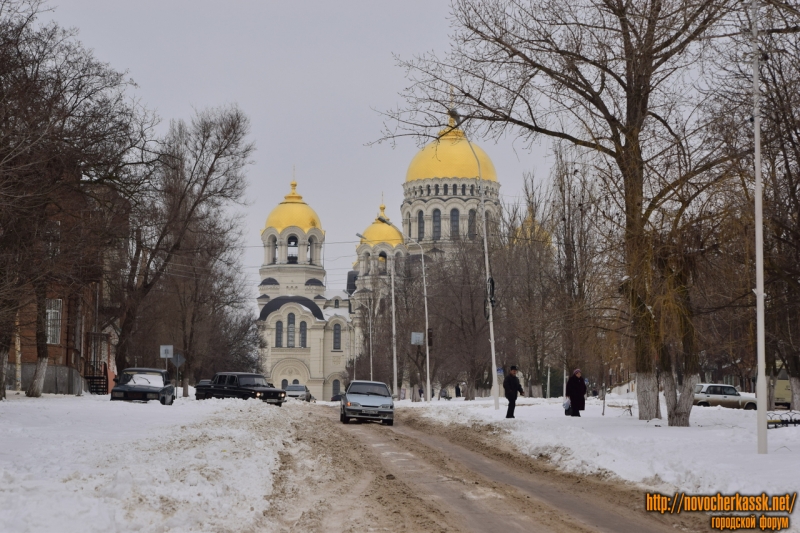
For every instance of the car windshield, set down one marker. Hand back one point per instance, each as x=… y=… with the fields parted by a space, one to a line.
x=296 y=387
x=253 y=381
x=152 y=379
x=375 y=389
x=698 y=389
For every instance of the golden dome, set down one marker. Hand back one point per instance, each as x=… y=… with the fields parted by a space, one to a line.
x=379 y=232
x=293 y=211
x=450 y=157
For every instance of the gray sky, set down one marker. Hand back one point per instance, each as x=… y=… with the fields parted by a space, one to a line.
x=310 y=76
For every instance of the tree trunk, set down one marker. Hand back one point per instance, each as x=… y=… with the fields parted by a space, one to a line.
x=795 y=385
x=125 y=333
x=535 y=390
x=37 y=383
x=3 y=365
x=647 y=394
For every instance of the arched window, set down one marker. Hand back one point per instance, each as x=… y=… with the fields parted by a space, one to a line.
x=437 y=224
x=446 y=189
x=337 y=387
x=290 y=332
x=436 y=190
x=279 y=334
x=337 y=337
x=420 y=226
x=273 y=250
x=408 y=224
x=382 y=263
x=429 y=190
x=472 y=229
x=292 y=257
x=454 y=224
x=295 y=382
x=472 y=190
x=336 y=304
x=303 y=335
x=284 y=383
x=463 y=190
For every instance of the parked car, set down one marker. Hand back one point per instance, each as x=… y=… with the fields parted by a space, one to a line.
x=143 y=385
x=299 y=392
x=337 y=397
x=367 y=400
x=240 y=385
x=710 y=394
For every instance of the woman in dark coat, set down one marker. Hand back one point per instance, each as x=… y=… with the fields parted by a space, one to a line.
x=576 y=391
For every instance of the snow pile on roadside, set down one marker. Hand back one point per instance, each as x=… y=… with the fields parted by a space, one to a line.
x=717 y=453
x=85 y=464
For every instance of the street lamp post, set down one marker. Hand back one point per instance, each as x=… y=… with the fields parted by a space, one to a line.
x=489 y=282
x=425 y=295
x=761 y=380
x=369 y=315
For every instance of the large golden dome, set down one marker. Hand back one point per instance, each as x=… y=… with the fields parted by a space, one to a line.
x=450 y=157
x=379 y=232
x=293 y=211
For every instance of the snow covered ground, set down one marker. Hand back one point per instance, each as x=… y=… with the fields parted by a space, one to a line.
x=86 y=464
x=717 y=453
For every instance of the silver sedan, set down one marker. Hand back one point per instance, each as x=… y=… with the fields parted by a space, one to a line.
x=367 y=400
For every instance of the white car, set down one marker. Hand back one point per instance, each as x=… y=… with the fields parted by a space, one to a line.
x=709 y=394
x=299 y=392
x=367 y=400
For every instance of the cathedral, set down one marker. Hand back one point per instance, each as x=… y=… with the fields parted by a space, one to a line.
x=310 y=332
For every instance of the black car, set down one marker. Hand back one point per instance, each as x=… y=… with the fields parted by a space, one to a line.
x=240 y=385
x=143 y=385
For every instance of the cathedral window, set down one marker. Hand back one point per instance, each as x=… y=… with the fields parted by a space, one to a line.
x=437 y=224
x=420 y=226
x=284 y=383
x=292 y=256
x=472 y=229
x=463 y=190
x=429 y=190
x=382 y=263
x=454 y=219
x=472 y=190
x=337 y=387
x=290 y=332
x=408 y=224
x=303 y=335
x=436 y=190
x=336 y=304
x=279 y=334
x=446 y=189
x=273 y=250
x=337 y=337
x=311 y=252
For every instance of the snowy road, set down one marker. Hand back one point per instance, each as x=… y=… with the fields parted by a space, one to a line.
x=86 y=464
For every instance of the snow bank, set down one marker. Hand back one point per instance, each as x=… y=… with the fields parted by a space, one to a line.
x=717 y=453
x=86 y=464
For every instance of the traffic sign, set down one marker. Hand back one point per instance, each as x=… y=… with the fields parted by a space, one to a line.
x=166 y=351
x=417 y=338
x=178 y=360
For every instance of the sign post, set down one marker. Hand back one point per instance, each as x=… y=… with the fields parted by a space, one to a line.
x=418 y=338
x=166 y=352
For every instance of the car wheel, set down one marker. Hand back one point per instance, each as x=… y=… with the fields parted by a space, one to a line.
x=750 y=407
x=163 y=400
x=171 y=399
x=344 y=419
x=702 y=404
x=388 y=422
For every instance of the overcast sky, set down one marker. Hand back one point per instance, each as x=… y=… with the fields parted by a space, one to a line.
x=310 y=75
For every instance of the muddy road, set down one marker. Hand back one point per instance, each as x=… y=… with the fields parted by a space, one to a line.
x=422 y=476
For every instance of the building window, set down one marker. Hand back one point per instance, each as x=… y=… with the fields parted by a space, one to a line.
x=336 y=304
x=273 y=250
x=284 y=383
x=311 y=251
x=420 y=226
x=337 y=337
x=445 y=190
x=472 y=229
x=408 y=225
x=437 y=224
x=436 y=190
x=472 y=190
x=429 y=190
x=463 y=190
x=303 y=335
x=53 y=308
x=293 y=248
x=337 y=387
x=295 y=382
x=454 y=224
x=290 y=332
x=279 y=334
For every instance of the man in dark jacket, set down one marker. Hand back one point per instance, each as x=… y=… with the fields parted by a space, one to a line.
x=576 y=391
x=512 y=387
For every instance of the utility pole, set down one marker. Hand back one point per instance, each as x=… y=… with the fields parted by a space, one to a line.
x=394 y=335
x=548 y=381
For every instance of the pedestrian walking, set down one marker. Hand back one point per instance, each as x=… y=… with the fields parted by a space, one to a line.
x=512 y=387
x=576 y=391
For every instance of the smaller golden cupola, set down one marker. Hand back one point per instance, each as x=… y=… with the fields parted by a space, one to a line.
x=379 y=232
x=293 y=211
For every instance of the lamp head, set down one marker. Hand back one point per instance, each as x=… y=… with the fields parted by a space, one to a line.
x=385 y=220
x=360 y=236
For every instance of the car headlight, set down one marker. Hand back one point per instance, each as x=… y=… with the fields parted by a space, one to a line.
x=283 y=394
x=117 y=394
x=353 y=404
x=386 y=406
x=152 y=396
x=258 y=395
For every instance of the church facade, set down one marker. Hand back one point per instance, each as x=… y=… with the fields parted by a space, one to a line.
x=310 y=332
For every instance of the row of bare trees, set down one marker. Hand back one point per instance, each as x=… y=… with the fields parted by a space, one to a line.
x=91 y=194
x=640 y=247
